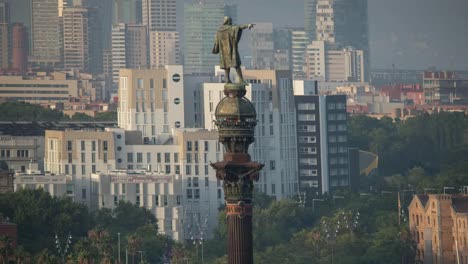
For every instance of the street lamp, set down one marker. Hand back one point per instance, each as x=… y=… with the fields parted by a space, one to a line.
x=448 y=188
x=337 y=197
x=313 y=203
x=118 y=234
x=428 y=189
x=63 y=252
x=302 y=199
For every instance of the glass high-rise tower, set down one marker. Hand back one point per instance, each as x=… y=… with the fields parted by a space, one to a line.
x=201 y=21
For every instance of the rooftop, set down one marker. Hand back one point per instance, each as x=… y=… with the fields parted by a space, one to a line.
x=39 y=128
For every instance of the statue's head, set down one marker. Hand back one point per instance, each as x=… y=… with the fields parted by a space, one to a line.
x=227 y=20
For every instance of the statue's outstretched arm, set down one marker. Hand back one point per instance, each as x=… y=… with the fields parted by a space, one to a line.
x=249 y=26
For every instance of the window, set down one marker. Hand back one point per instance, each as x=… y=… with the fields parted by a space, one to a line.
x=156 y=200
x=197 y=194
x=138 y=200
x=93 y=168
x=168 y=169
x=67 y=170
x=189 y=194
x=189 y=182
x=139 y=157
x=176 y=157
x=123 y=188
x=306 y=106
x=177 y=169
x=195 y=181
x=69 y=145
x=158 y=157
x=272 y=165
x=105 y=145
x=83 y=157
x=189 y=145
x=189 y=157
x=82 y=145
x=83 y=194
x=196 y=145
x=93 y=157
x=167 y=157
x=188 y=169
x=83 y=169
x=273 y=188
x=219 y=193
x=307 y=150
x=130 y=157
x=148 y=157
x=306 y=117
x=70 y=160
x=307 y=139
x=207 y=182
x=178 y=200
x=140 y=83
x=206 y=146
x=206 y=169
x=306 y=128
x=93 y=145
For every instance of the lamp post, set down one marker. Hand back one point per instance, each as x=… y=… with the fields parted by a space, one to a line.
x=63 y=252
x=313 y=203
x=428 y=189
x=448 y=188
x=337 y=197
x=302 y=199
x=118 y=234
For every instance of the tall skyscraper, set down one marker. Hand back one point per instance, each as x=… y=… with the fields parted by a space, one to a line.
x=45 y=33
x=5 y=51
x=129 y=47
x=299 y=40
x=310 y=14
x=164 y=48
x=261 y=46
x=159 y=15
x=322 y=142
x=202 y=20
x=76 y=44
x=19 y=47
x=128 y=11
x=344 y=22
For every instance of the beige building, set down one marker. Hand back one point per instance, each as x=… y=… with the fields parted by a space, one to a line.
x=76 y=39
x=326 y=61
x=164 y=48
x=39 y=89
x=80 y=153
x=325 y=25
x=58 y=185
x=19 y=151
x=438 y=224
x=160 y=193
x=151 y=101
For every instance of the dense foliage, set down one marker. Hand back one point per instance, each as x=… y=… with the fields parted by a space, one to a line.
x=21 y=111
x=40 y=218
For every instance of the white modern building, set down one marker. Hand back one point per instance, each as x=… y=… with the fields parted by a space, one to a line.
x=151 y=101
x=76 y=39
x=158 y=192
x=299 y=42
x=334 y=64
x=275 y=136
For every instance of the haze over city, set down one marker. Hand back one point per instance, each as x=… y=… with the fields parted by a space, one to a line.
x=233 y=131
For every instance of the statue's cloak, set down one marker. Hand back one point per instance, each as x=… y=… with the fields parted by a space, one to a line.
x=226 y=44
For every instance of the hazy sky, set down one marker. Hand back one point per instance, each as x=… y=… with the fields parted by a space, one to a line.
x=413 y=34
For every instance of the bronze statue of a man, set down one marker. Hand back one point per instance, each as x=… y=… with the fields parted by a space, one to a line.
x=227 y=38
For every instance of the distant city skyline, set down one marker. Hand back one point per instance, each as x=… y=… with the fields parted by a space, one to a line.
x=423 y=34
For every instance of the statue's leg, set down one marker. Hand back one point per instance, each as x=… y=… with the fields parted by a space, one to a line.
x=228 y=77
x=239 y=74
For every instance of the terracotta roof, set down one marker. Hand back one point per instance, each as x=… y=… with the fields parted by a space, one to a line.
x=460 y=204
